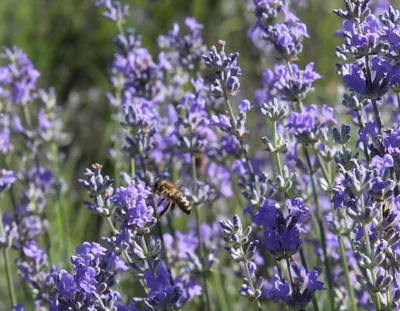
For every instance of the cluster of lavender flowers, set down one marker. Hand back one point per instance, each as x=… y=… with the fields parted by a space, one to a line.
x=303 y=216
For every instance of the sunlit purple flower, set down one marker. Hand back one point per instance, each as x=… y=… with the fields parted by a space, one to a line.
x=286 y=39
x=131 y=206
x=7 y=178
x=366 y=42
x=281 y=234
x=185 y=49
x=95 y=272
x=114 y=10
x=19 y=77
x=5 y=141
x=311 y=125
x=33 y=269
x=355 y=78
x=41 y=177
x=18 y=307
x=162 y=295
x=181 y=245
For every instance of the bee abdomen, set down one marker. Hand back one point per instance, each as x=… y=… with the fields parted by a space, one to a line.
x=184 y=204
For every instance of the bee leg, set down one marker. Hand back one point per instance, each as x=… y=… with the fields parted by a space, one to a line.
x=161 y=201
x=165 y=209
x=172 y=206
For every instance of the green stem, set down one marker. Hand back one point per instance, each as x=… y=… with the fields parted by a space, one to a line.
x=289 y=268
x=321 y=230
x=353 y=304
x=275 y=143
x=343 y=259
x=377 y=116
x=147 y=254
x=220 y=289
x=48 y=243
x=321 y=164
x=9 y=276
x=398 y=101
x=62 y=220
x=197 y=216
x=368 y=253
x=361 y=124
x=133 y=168
x=102 y=306
x=27 y=115
x=236 y=134
x=124 y=252
x=249 y=278
x=305 y=265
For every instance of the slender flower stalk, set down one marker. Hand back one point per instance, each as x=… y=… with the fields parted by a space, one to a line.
x=197 y=216
x=398 y=100
x=319 y=216
x=221 y=292
x=368 y=252
x=235 y=131
x=249 y=277
x=59 y=206
x=321 y=228
x=7 y=267
x=353 y=304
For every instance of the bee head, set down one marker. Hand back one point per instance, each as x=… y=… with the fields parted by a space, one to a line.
x=155 y=184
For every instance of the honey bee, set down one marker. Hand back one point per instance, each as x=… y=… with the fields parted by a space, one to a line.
x=386 y=207
x=200 y=162
x=169 y=191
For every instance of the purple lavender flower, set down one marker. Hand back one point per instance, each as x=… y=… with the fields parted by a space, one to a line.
x=185 y=50
x=355 y=77
x=192 y=129
x=41 y=177
x=370 y=130
x=366 y=42
x=95 y=272
x=131 y=207
x=18 y=82
x=281 y=234
x=220 y=178
x=114 y=10
x=134 y=73
x=391 y=32
x=141 y=120
x=310 y=125
x=99 y=189
x=5 y=141
x=10 y=232
x=266 y=10
x=289 y=84
x=7 y=178
x=189 y=288
x=305 y=285
x=286 y=39
x=180 y=245
x=18 y=307
x=236 y=238
x=32 y=268
x=224 y=71
x=162 y=295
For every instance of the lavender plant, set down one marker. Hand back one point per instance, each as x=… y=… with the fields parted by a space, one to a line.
x=292 y=205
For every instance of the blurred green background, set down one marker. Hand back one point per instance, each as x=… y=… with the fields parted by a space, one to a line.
x=70 y=43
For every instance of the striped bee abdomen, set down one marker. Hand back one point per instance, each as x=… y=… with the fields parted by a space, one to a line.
x=168 y=191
